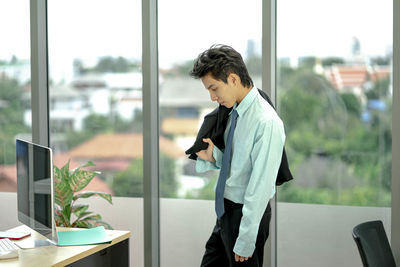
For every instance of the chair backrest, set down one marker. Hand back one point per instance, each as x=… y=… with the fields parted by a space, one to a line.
x=373 y=245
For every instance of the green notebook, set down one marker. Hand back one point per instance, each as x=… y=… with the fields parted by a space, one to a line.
x=90 y=236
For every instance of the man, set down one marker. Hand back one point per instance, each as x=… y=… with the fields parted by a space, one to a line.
x=254 y=139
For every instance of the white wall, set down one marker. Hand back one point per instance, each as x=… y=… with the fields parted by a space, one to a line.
x=321 y=235
x=8 y=211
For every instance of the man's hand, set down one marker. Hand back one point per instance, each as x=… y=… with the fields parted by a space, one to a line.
x=240 y=258
x=207 y=154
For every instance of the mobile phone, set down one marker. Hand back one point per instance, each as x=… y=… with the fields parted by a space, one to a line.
x=14 y=235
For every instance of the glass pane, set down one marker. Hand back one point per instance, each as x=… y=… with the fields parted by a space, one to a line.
x=96 y=105
x=187 y=28
x=334 y=96
x=15 y=91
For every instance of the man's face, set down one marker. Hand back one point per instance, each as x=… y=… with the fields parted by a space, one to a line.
x=223 y=93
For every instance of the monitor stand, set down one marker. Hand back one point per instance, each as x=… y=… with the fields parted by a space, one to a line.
x=35 y=243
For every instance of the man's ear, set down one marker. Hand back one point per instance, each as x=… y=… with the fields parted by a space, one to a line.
x=234 y=78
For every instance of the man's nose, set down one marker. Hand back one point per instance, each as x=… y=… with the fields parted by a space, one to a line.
x=213 y=97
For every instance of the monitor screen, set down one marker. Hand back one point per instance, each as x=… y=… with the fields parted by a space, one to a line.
x=35 y=187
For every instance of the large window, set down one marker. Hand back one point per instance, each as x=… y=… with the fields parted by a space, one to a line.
x=15 y=91
x=334 y=96
x=95 y=96
x=187 y=28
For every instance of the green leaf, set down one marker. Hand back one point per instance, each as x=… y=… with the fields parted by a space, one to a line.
x=87 y=164
x=81 y=179
x=63 y=218
x=57 y=174
x=81 y=224
x=92 y=218
x=79 y=209
x=88 y=222
x=87 y=194
x=62 y=191
x=59 y=218
x=83 y=214
x=65 y=173
x=92 y=221
x=66 y=211
x=62 y=194
x=59 y=221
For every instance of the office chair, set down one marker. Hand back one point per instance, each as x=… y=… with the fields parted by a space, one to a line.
x=373 y=245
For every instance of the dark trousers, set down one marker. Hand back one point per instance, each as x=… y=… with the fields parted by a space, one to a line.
x=219 y=247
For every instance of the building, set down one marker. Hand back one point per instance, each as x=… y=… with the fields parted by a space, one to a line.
x=113 y=153
x=356 y=79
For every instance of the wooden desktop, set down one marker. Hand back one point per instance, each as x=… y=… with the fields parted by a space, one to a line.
x=114 y=254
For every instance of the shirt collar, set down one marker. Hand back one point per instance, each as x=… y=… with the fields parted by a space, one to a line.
x=246 y=102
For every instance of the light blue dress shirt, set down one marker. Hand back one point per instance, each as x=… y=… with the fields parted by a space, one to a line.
x=257 y=148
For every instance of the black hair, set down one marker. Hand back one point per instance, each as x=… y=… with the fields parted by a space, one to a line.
x=220 y=61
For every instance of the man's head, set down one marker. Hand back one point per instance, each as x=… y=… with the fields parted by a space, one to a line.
x=223 y=73
x=220 y=61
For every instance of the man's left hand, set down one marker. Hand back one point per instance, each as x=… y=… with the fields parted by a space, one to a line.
x=240 y=258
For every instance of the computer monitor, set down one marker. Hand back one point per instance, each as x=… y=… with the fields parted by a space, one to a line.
x=35 y=193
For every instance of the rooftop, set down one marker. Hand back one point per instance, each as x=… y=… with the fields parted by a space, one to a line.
x=122 y=145
x=343 y=76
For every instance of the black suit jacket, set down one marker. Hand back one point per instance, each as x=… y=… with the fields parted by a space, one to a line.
x=214 y=126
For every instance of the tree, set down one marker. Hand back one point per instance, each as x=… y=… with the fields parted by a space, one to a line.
x=381 y=61
x=298 y=107
x=119 y=64
x=98 y=123
x=11 y=118
x=352 y=104
x=181 y=69
x=206 y=192
x=168 y=182
x=129 y=183
x=380 y=89
x=92 y=125
x=329 y=61
x=307 y=62
x=78 y=67
x=107 y=64
x=319 y=122
x=358 y=196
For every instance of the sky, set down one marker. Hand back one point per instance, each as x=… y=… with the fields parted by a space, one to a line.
x=89 y=29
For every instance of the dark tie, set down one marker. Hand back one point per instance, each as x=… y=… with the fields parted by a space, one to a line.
x=226 y=164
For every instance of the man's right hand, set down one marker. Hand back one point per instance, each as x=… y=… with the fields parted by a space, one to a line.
x=207 y=154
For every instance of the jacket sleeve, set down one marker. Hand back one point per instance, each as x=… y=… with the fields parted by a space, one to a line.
x=284 y=174
x=205 y=131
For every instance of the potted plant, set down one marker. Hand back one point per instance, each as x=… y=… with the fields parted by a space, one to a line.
x=67 y=187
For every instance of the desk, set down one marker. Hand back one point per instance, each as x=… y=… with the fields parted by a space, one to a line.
x=114 y=254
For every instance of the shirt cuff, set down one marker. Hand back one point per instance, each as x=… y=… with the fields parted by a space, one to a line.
x=217 y=154
x=204 y=165
x=243 y=249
